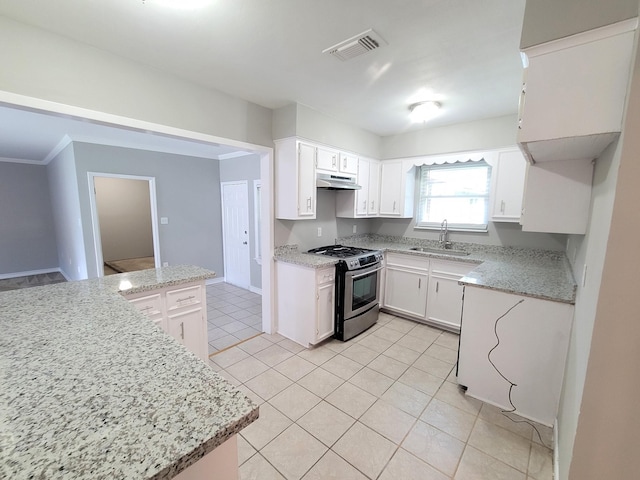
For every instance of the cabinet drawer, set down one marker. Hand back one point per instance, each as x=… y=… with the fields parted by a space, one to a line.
x=326 y=275
x=409 y=261
x=149 y=305
x=446 y=269
x=184 y=297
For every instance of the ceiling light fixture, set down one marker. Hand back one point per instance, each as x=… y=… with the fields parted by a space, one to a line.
x=423 y=111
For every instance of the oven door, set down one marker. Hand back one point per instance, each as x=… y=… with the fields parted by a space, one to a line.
x=361 y=290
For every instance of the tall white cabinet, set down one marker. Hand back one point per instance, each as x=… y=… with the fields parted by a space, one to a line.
x=295 y=178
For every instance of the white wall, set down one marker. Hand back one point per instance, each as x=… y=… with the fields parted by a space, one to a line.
x=51 y=67
x=188 y=193
x=27 y=232
x=546 y=20
x=124 y=212
x=484 y=134
x=246 y=168
x=65 y=203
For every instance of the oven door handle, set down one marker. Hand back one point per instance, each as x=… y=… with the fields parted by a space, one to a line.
x=368 y=272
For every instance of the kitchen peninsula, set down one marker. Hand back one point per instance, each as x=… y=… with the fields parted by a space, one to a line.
x=90 y=388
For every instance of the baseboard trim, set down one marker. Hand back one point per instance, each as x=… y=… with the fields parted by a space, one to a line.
x=556 y=452
x=255 y=290
x=212 y=281
x=4 y=276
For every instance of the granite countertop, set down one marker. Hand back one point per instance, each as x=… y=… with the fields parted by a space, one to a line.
x=530 y=272
x=90 y=388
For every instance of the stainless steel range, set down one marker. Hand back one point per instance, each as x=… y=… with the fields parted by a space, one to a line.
x=357 y=288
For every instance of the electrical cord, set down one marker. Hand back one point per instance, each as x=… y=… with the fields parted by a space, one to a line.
x=511 y=384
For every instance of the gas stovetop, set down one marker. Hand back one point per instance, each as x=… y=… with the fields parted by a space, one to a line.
x=352 y=257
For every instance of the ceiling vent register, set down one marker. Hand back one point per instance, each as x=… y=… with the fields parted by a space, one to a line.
x=356 y=46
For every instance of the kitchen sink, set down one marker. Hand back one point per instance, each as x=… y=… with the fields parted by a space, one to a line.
x=442 y=251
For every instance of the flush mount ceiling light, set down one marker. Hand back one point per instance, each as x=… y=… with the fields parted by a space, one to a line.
x=423 y=111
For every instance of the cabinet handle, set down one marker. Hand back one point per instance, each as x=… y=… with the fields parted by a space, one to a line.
x=334 y=161
x=372 y=204
x=309 y=204
x=190 y=297
x=419 y=283
x=502 y=206
x=394 y=205
x=182 y=330
x=437 y=286
x=344 y=163
x=364 y=205
x=147 y=308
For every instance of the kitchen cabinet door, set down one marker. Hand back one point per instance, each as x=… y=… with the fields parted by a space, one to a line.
x=406 y=291
x=509 y=175
x=188 y=327
x=444 y=299
x=396 y=190
x=327 y=160
x=295 y=180
x=325 y=311
x=348 y=164
x=362 y=195
x=373 y=207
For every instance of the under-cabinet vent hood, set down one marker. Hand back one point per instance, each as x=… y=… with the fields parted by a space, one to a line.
x=356 y=46
x=336 y=182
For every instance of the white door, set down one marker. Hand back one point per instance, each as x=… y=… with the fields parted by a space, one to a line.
x=235 y=226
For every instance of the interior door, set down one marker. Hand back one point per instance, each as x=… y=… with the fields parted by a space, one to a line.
x=235 y=225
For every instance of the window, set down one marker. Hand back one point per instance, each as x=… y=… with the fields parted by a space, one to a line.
x=457 y=192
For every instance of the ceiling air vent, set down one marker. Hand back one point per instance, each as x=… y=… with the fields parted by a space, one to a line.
x=356 y=46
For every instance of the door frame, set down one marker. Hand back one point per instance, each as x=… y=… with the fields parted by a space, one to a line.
x=95 y=222
x=224 y=227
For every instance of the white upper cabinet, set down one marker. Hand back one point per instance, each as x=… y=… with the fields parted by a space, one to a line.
x=333 y=161
x=574 y=92
x=557 y=197
x=365 y=202
x=397 y=184
x=508 y=186
x=327 y=159
x=348 y=164
x=295 y=176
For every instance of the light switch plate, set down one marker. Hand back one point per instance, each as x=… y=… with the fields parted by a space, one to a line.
x=319 y=231
x=164 y=220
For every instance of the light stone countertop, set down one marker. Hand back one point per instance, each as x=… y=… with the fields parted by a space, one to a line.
x=529 y=272
x=92 y=389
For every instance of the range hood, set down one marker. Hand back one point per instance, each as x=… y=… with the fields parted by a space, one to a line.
x=336 y=182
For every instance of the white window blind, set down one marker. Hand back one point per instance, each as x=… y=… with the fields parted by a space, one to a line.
x=457 y=192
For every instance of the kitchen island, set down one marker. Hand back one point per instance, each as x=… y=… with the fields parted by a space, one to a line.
x=90 y=388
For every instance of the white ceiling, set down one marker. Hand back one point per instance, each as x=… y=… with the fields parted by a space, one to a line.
x=463 y=53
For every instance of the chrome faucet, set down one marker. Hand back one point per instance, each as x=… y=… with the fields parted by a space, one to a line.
x=443 y=240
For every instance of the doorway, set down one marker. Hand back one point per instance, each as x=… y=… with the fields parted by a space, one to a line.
x=123 y=214
x=235 y=233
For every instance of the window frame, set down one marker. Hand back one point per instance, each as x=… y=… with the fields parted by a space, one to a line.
x=453 y=226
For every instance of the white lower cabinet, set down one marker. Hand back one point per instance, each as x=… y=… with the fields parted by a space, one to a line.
x=425 y=290
x=181 y=312
x=405 y=284
x=305 y=303
x=509 y=339
x=444 y=299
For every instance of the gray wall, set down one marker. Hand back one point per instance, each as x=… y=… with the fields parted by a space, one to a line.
x=188 y=193
x=546 y=20
x=27 y=232
x=246 y=168
x=54 y=68
x=124 y=213
x=65 y=203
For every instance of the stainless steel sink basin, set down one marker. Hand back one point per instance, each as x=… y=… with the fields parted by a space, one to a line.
x=442 y=251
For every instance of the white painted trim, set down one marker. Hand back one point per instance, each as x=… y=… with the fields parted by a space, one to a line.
x=256 y=230
x=556 y=452
x=20 y=160
x=227 y=156
x=583 y=37
x=62 y=144
x=213 y=281
x=255 y=290
x=4 y=276
x=95 y=223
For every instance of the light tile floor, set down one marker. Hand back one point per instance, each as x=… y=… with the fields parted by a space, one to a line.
x=384 y=405
x=233 y=315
